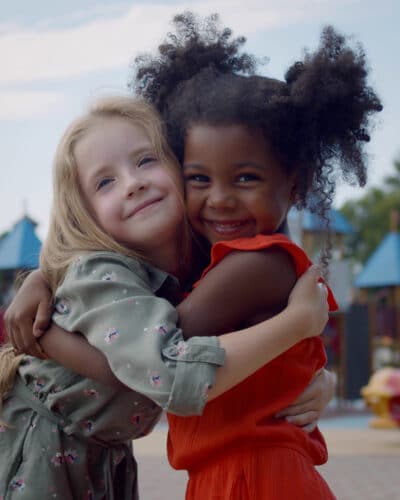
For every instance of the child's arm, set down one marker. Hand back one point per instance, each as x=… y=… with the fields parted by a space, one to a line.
x=265 y=341
x=29 y=314
x=245 y=288
x=307 y=311
x=308 y=407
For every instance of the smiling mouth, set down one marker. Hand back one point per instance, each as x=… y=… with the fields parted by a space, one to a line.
x=227 y=227
x=143 y=206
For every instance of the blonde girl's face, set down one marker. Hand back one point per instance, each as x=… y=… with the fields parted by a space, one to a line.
x=131 y=194
x=234 y=185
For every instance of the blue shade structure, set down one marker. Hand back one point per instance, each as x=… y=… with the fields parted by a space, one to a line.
x=382 y=269
x=313 y=222
x=20 y=248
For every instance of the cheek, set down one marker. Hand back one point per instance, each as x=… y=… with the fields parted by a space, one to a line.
x=193 y=203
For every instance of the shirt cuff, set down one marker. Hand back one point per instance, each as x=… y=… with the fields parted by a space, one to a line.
x=196 y=363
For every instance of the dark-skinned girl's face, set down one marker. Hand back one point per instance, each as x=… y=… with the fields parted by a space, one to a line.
x=235 y=187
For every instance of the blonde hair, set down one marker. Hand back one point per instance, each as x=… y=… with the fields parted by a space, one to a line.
x=9 y=363
x=72 y=229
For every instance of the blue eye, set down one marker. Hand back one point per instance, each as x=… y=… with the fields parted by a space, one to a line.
x=147 y=159
x=103 y=182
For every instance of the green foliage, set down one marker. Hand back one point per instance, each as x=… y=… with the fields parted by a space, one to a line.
x=371 y=216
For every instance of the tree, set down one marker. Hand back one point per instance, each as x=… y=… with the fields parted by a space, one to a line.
x=371 y=216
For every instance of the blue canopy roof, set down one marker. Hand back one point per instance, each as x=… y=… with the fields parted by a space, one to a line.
x=383 y=267
x=20 y=248
x=313 y=222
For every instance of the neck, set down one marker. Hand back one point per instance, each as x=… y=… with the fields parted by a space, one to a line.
x=166 y=257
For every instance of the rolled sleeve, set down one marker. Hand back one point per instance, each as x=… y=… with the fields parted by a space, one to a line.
x=195 y=373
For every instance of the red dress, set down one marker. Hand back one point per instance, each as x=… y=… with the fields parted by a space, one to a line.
x=237 y=449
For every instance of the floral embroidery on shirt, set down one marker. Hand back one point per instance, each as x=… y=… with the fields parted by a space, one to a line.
x=58 y=459
x=87 y=425
x=38 y=385
x=71 y=457
x=62 y=306
x=205 y=390
x=155 y=379
x=111 y=335
x=91 y=393
x=17 y=484
x=162 y=329
x=109 y=276
x=182 y=348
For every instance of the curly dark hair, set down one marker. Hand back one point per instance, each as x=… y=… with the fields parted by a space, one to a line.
x=317 y=120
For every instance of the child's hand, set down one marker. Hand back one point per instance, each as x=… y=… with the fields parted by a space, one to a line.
x=307 y=408
x=308 y=300
x=29 y=314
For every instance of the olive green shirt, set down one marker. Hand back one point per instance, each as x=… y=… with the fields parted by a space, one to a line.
x=70 y=436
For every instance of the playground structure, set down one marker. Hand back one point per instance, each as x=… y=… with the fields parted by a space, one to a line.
x=19 y=251
x=379 y=288
x=382 y=396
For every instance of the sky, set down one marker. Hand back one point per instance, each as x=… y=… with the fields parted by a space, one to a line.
x=56 y=57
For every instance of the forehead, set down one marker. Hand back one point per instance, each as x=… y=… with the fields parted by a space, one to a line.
x=106 y=136
x=109 y=130
x=208 y=140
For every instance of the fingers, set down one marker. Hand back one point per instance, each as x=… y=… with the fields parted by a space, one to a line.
x=306 y=406
x=42 y=319
x=323 y=289
x=37 y=351
x=310 y=427
x=315 y=272
x=306 y=419
x=21 y=336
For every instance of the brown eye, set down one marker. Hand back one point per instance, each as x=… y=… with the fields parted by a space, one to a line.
x=248 y=178
x=197 y=178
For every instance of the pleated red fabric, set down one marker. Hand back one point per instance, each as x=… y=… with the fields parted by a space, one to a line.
x=238 y=450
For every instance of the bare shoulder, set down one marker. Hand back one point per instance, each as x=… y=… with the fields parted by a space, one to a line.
x=263 y=276
x=257 y=264
x=244 y=288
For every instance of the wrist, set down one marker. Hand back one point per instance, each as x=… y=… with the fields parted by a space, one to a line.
x=299 y=321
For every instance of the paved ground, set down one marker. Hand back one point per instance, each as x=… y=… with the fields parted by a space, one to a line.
x=364 y=463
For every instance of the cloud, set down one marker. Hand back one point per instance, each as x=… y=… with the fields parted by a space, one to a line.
x=46 y=53
x=16 y=105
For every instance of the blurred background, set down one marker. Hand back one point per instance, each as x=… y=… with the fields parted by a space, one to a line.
x=57 y=56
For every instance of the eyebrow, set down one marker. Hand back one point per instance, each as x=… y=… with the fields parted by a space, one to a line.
x=149 y=149
x=237 y=166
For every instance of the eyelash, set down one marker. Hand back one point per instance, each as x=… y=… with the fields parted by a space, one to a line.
x=201 y=178
x=143 y=161
x=249 y=177
x=146 y=159
x=103 y=182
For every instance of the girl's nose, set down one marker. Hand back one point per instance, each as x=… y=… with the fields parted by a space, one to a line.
x=221 y=199
x=134 y=183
